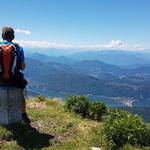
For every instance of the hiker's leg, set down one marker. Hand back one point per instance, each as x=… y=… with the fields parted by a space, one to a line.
x=25 y=117
x=23 y=105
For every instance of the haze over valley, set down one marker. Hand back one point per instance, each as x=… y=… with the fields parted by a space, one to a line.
x=119 y=78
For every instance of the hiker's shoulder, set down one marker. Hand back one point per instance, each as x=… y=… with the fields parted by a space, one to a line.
x=20 y=48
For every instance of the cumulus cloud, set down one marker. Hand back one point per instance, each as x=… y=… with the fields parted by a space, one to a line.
x=27 y=32
x=113 y=44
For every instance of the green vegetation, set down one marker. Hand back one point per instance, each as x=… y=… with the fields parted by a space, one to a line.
x=54 y=128
x=97 y=110
x=78 y=104
x=82 y=105
x=122 y=128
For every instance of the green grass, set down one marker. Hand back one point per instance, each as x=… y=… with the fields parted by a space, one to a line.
x=52 y=128
x=129 y=147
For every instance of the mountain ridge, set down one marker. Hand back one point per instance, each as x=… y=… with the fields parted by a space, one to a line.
x=60 y=77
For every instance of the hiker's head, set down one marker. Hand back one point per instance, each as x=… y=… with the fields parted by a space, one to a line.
x=8 y=33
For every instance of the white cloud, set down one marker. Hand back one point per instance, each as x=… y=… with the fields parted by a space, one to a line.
x=113 y=44
x=118 y=43
x=27 y=32
x=42 y=44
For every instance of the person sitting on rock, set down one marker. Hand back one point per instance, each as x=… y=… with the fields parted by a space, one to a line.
x=12 y=63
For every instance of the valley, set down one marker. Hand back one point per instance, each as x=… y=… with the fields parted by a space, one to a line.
x=60 y=76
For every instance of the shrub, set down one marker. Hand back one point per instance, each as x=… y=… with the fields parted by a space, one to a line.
x=97 y=110
x=78 y=104
x=41 y=98
x=122 y=128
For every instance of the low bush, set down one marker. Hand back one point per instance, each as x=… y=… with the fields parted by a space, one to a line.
x=122 y=128
x=78 y=104
x=83 y=106
x=41 y=98
x=97 y=110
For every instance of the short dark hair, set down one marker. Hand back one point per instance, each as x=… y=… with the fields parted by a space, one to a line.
x=8 y=33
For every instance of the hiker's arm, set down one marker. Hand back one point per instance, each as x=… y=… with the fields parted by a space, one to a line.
x=22 y=65
x=22 y=59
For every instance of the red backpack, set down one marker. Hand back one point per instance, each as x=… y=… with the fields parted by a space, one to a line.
x=8 y=61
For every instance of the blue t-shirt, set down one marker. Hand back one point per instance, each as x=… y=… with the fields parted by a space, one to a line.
x=18 y=48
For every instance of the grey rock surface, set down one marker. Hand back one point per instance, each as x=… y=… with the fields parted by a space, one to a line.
x=10 y=105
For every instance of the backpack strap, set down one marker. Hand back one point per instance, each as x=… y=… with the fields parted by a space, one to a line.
x=17 y=61
x=15 y=56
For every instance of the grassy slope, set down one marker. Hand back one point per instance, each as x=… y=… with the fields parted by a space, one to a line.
x=52 y=128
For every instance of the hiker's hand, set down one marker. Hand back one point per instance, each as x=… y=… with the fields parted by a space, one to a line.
x=22 y=65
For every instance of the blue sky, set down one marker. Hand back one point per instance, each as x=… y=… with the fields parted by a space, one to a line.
x=94 y=24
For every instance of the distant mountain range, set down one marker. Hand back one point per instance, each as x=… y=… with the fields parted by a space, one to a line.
x=120 y=58
x=46 y=58
x=92 y=77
